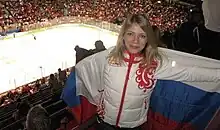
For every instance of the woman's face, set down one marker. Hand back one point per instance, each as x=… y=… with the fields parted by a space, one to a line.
x=135 y=39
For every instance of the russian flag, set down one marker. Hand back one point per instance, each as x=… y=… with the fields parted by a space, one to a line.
x=182 y=105
x=69 y=91
x=70 y=98
x=81 y=108
x=79 y=105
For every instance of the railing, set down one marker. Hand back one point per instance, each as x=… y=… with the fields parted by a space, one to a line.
x=73 y=19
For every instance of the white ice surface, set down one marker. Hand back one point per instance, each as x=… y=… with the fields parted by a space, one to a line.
x=21 y=58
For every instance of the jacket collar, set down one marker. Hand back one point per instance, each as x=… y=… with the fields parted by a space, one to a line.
x=132 y=57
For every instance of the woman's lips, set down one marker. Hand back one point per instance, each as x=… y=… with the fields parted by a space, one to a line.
x=134 y=47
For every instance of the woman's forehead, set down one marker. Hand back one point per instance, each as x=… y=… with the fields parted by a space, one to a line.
x=135 y=28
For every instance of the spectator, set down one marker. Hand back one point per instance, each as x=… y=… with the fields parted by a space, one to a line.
x=37 y=86
x=136 y=40
x=211 y=14
x=38 y=119
x=53 y=83
x=43 y=84
x=2 y=100
x=81 y=53
x=22 y=110
x=99 y=46
x=62 y=76
x=211 y=34
x=188 y=36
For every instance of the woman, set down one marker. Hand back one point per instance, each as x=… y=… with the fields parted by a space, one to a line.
x=120 y=80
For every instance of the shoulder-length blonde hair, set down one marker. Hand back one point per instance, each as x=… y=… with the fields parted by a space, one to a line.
x=150 y=52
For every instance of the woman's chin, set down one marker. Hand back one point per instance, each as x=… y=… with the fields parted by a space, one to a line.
x=134 y=51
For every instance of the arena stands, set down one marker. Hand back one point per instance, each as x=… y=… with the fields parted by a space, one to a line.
x=23 y=12
x=13 y=112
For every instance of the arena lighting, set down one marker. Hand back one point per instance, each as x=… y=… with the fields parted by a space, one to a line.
x=159 y=2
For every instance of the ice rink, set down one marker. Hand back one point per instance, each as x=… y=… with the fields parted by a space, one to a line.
x=23 y=59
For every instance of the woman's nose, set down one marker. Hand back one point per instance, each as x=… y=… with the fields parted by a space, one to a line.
x=135 y=38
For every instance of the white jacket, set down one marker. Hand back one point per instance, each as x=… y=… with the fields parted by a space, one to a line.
x=123 y=92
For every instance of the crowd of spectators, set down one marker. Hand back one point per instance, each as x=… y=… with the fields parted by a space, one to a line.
x=16 y=103
x=24 y=12
x=54 y=82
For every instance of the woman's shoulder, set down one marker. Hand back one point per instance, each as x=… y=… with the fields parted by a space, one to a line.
x=98 y=59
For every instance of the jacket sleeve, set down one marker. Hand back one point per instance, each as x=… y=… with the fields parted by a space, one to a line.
x=171 y=69
x=89 y=76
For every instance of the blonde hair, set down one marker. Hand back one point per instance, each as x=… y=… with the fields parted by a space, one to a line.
x=150 y=52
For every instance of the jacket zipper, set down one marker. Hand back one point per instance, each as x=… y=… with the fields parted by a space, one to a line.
x=124 y=89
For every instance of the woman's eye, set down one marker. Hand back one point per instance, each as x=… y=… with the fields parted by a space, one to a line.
x=143 y=36
x=129 y=34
